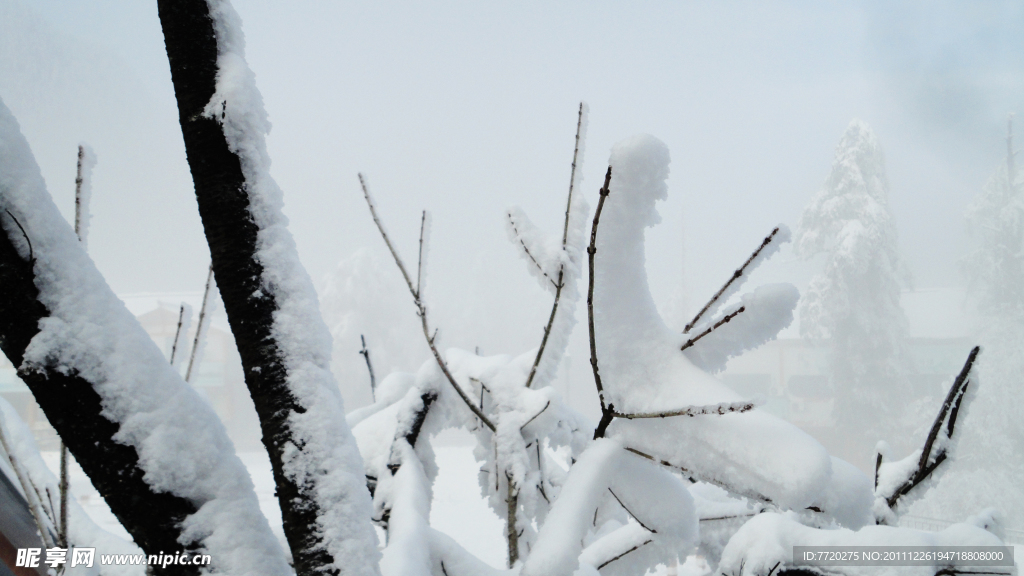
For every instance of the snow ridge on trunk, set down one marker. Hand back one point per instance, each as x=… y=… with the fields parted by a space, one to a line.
x=154 y=449
x=271 y=304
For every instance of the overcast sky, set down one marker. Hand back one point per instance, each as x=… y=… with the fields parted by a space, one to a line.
x=465 y=108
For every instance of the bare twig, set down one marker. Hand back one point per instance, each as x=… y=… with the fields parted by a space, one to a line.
x=633 y=549
x=718 y=409
x=177 y=333
x=561 y=269
x=373 y=381
x=376 y=220
x=733 y=517
x=419 y=265
x=534 y=417
x=79 y=180
x=606 y=409
x=735 y=276
x=421 y=311
x=711 y=329
x=630 y=512
x=197 y=341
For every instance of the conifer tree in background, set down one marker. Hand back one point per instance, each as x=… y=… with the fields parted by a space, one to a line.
x=995 y=274
x=854 y=301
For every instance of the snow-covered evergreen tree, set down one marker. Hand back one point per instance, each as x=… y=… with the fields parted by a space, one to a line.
x=854 y=302
x=995 y=270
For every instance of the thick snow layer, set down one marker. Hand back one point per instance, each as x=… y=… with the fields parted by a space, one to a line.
x=328 y=460
x=643 y=369
x=559 y=542
x=848 y=498
x=82 y=531
x=183 y=448
x=766 y=311
x=408 y=549
x=768 y=540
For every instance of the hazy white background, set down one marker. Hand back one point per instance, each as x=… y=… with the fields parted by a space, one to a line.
x=464 y=108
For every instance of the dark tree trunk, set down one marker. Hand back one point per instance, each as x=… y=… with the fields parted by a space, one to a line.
x=231 y=232
x=74 y=410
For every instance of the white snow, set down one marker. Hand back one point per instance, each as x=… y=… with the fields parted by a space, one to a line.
x=768 y=539
x=328 y=462
x=766 y=311
x=182 y=446
x=82 y=531
x=643 y=369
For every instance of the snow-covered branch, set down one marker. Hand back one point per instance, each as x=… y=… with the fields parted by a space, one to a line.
x=111 y=395
x=731 y=286
x=895 y=480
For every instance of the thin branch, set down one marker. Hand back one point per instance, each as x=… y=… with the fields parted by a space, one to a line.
x=606 y=410
x=177 y=333
x=735 y=276
x=79 y=180
x=630 y=512
x=718 y=409
x=561 y=269
x=727 y=517
x=955 y=392
x=714 y=327
x=951 y=407
x=633 y=549
x=421 y=311
x=419 y=261
x=534 y=417
x=373 y=381
x=199 y=326
x=376 y=220
x=529 y=254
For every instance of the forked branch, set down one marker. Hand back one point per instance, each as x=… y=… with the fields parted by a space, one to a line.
x=945 y=419
x=561 y=269
x=735 y=276
x=421 y=310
